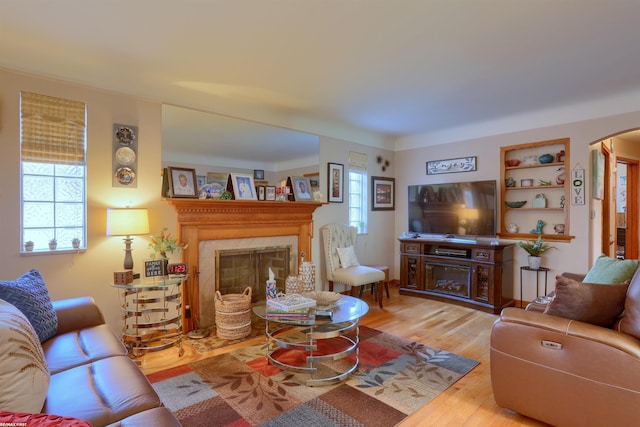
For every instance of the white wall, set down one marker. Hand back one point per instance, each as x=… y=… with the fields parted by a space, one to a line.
x=575 y=256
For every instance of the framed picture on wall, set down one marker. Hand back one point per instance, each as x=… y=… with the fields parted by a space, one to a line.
x=182 y=182
x=383 y=193
x=336 y=183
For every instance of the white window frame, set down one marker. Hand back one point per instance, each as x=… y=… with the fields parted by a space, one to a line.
x=47 y=124
x=358 y=202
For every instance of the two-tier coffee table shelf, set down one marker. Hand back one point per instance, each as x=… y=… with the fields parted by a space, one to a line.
x=324 y=339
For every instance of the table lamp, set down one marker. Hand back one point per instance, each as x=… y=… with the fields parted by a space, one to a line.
x=127 y=222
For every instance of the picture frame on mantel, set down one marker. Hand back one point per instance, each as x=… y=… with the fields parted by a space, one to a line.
x=243 y=187
x=182 y=182
x=336 y=182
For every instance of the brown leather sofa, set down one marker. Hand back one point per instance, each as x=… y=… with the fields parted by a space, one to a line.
x=564 y=372
x=92 y=378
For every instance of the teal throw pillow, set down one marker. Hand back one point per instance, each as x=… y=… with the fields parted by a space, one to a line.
x=29 y=294
x=609 y=270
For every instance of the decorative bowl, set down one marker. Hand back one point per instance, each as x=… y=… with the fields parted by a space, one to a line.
x=512 y=162
x=515 y=204
x=323 y=297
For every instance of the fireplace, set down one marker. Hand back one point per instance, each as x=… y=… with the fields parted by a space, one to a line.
x=238 y=268
x=223 y=224
x=247 y=264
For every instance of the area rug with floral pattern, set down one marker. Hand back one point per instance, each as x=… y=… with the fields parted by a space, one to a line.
x=395 y=378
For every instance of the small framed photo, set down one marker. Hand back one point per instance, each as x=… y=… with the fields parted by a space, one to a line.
x=260 y=190
x=182 y=182
x=258 y=174
x=314 y=181
x=336 y=183
x=155 y=268
x=270 y=192
x=243 y=187
x=383 y=193
x=301 y=189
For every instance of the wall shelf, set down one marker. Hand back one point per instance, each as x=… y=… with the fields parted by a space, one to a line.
x=556 y=193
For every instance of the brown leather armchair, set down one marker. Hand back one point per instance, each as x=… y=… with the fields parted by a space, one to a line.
x=564 y=372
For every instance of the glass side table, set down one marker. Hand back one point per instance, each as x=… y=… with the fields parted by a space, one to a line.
x=324 y=339
x=152 y=314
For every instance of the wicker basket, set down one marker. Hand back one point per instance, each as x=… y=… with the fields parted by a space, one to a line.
x=233 y=315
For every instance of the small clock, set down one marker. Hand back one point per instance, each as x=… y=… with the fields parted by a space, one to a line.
x=178 y=268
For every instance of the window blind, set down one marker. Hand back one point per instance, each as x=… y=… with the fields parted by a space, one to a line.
x=53 y=129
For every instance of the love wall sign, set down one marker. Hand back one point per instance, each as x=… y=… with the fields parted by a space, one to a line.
x=577 y=186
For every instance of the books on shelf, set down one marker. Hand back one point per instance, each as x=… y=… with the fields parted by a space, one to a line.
x=290 y=303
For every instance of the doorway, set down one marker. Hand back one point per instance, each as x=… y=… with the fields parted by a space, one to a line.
x=620 y=218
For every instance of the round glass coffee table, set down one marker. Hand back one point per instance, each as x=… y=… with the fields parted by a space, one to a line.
x=301 y=344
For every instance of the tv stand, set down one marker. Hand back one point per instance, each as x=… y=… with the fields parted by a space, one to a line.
x=472 y=274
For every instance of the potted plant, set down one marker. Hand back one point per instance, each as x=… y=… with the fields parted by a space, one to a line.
x=28 y=246
x=535 y=249
x=75 y=242
x=163 y=243
x=53 y=244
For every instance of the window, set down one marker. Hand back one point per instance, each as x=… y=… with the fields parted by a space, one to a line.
x=52 y=147
x=358 y=200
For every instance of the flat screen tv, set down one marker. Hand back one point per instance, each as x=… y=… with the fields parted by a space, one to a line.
x=453 y=209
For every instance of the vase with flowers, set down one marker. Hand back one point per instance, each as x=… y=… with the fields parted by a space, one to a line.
x=165 y=243
x=535 y=249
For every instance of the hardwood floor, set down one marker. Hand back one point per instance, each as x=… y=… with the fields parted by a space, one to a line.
x=460 y=330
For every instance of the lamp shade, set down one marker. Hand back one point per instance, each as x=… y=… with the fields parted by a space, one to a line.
x=127 y=222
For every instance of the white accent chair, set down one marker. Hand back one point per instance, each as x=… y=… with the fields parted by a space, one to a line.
x=342 y=236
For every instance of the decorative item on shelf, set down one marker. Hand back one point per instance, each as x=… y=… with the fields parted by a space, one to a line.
x=53 y=244
x=543 y=183
x=509 y=182
x=539 y=226
x=28 y=246
x=539 y=201
x=563 y=200
x=546 y=158
x=226 y=196
x=526 y=182
x=75 y=243
x=324 y=299
x=558 y=229
x=307 y=276
x=530 y=160
x=515 y=203
x=560 y=156
x=512 y=162
x=292 y=285
x=561 y=177
x=163 y=243
x=122 y=277
x=317 y=196
x=535 y=249
x=512 y=228
x=271 y=285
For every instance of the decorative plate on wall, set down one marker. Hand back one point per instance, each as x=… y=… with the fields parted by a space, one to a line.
x=126 y=156
x=125 y=176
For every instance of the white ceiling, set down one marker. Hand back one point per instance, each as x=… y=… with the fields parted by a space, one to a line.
x=394 y=67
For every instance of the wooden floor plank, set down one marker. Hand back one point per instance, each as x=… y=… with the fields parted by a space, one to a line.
x=459 y=330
